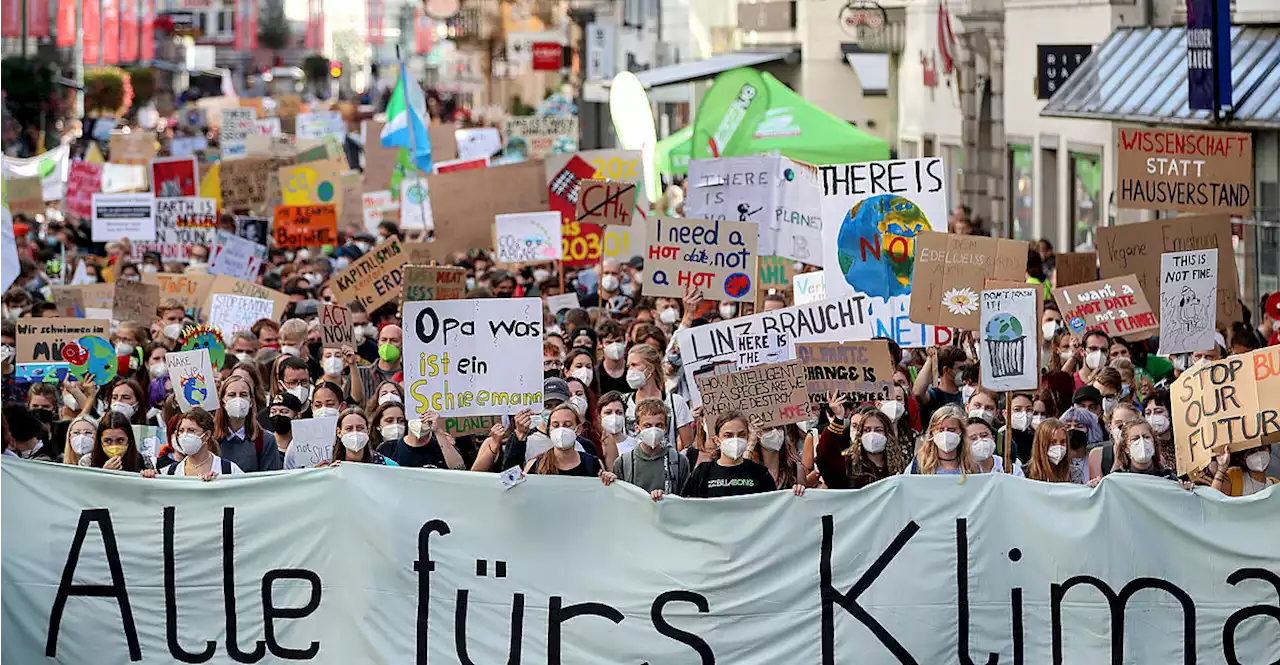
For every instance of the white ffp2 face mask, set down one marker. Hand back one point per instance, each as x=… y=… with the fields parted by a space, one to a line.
x=332 y=366
x=983 y=448
x=1056 y=453
x=563 y=438
x=946 y=441
x=391 y=432
x=773 y=439
x=873 y=442
x=189 y=444
x=238 y=407
x=653 y=437
x=637 y=378
x=733 y=447
x=355 y=441
x=1259 y=461
x=1142 y=449
x=613 y=422
x=1021 y=420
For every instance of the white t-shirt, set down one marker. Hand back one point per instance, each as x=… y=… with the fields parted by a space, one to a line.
x=626 y=445
x=179 y=468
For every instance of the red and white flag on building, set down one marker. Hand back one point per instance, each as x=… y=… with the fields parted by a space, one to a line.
x=147 y=49
x=128 y=30
x=947 y=49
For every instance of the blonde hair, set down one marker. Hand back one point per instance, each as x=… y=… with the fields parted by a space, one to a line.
x=927 y=455
x=295 y=330
x=69 y=455
x=651 y=358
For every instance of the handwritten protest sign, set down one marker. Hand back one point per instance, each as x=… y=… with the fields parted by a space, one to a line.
x=471 y=425
x=247 y=183
x=482 y=194
x=472 y=357
x=861 y=370
x=135 y=148
x=85 y=181
x=1135 y=249
x=718 y=257
x=229 y=314
x=135 y=301
x=774 y=274
x=434 y=283
x=192 y=290
x=25 y=196
x=187 y=146
x=582 y=240
x=117 y=216
x=1073 y=268
x=769 y=395
x=312 y=183
x=312 y=443
x=175 y=176
x=1009 y=353
x=605 y=202
x=810 y=287
x=528 y=237
x=93 y=301
x=795 y=229
x=335 y=322
x=373 y=279
x=182 y=222
x=237 y=126
x=320 y=124
x=950 y=272
x=536 y=136
x=374 y=205
x=42 y=340
x=191 y=375
x=304 y=226
x=1191 y=170
x=1188 y=295
x=562 y=302
x=1116 y=306
x=415 y=205
x=235 y=256
x=240 y=287
x=1232 y=403
x=477 y=142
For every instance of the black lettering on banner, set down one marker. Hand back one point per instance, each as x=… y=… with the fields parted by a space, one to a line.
x=171 y=600
x=1232 y=624
x=229 y=592
x=116 y=589
x=962 y=593
x=849 y=600
x=460 y=629
x=270 y=612
x=1117 y=603
x=665 y=628
x=424 y=566
x=558 y=615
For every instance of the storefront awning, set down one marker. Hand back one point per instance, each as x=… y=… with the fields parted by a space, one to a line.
x=1140 y=75
x=686 y=72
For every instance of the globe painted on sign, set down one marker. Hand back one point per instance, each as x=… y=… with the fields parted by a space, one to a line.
x=1003 y=328
x=417 y=194
x=91 y=355
x=194 y=389
x=325 y=191
x=876 y=244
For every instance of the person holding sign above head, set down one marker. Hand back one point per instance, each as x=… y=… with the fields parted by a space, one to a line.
x=562 y=458
x=653 y=465
x=938 y=382
x=1244 y=472
x=240 y=438
x=645 y=377
x=945 y=450
x=196 y=442
x=855 y=452
x=352 y=444
x=731 y=474
x=338 y=365
x=982 y=446
x=114 y=447
x=1049 y=461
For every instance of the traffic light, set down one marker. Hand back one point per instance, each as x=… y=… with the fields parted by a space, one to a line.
x=335 y=69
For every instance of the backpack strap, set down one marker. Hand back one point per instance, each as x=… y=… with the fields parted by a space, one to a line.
x=625 y=461
x=226 y=466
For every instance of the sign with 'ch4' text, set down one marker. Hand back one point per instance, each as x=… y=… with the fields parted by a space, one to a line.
x=1232 y=403
x=473 y=357
x=1116 y=306
x=718 y=257
x=1189 y=170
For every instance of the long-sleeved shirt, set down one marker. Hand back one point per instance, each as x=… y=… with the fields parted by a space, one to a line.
x=830 y=460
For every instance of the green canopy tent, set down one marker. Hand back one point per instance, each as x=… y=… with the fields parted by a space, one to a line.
x=789 y=126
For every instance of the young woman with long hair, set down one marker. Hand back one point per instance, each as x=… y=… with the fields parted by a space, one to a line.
x=982 y=446
x=779 y=452
x=80 y=441
x=1137 y=452
x=387 y=391
x=582 y=399
x=646 y=378
x=387 y=427
x=945 y=449
x=731 y=474
x=240 y=438
x=199 y=447
x=114 y=447
x=1049 y=460
x=129 y=399
x=563 y=459
x=615 y=439
x=351 y=441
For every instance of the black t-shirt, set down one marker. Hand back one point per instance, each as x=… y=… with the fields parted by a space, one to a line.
x=605 y=383
x=588 y=466
x=710 y=480
x=401 y=453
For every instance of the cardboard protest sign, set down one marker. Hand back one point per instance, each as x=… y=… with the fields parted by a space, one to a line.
x=1190 y=170
x=235 y=256
x=352 y=213
x=950 y=271
x=733 y=188
x=477 y=142
x=135 y=301
x=606 y=202
x=41 y=340
x=482 y=194
x=379 y=161
x=85 y=181
x=459 y=165
x=229 y=314
x=117 y=216
x=1233 y=403
x=181 y=223
x=92 y=359
x=25 y=196
x=237 y=126
x=528 y=237
x=312 y=183
x=444 y=141
x=472 y=357
x=719 y=257
x=239 y=287
x=336 y=322
x=319 y=124
x=373 y=207
x=769 y=395
x=861 y=370
x=192 y=290
x=80 y=300
x=373 y=279
x=313 y=440
x=1188 y=300
x=434 y=283
x=424 y=253
x=582 y=241
x=1135 y=249
x=415 y=205
x=810 y=287
x=1071 y=268
x=289 y=106
x=305 y=226
x=247 y=183
x=622 y=242
x=704 y=348
x=191 y=375
x=1116 y=306
x=175 y=176
x=136 y=148
x=536 y=136
x=471 y=425
x=774 y=274
x=1009 y=354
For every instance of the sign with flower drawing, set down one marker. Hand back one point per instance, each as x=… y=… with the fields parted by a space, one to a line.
x=1008 y=348
x=950 y=271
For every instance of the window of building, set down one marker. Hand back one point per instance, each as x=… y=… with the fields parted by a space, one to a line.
x=227 y=21
x=1022 y=192
x=1086 y=198
x=953 y=159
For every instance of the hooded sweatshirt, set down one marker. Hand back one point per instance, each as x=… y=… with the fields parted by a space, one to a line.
x=650 y=471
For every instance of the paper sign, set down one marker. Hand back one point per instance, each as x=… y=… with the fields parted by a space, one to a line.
x=373 y=279
x=459 y=165
x=528 y=237
x=247 y=183
x=122 y=178
x=192 y=290
x=136 y=148
x=237 y=257
x=718 y=257
x=312 y=183
x=795 y=230
x=1188 y=300
x=769 y=395
x=494 y=356
x=85 y=181
x=1190 y=170
x=117 y=216
x=471 y=425
x=305 y=226
x=1135 y=249
x=41 y=340
x=191 y=375
x=254 y=229
x=775 y=273
x=135 y=301
x=735 y=188
x=950 y=272
x=335 y=322
x=434 y=283
x=861 y=370
x=481 y=194
x=536 y=136
x=186 y=146
x=229 y=314
x=182 y=222
x=415 y=205
x=149 y=439
x=313 y=440
x=240 y=287
x=25 y=196
x=237 y=126
x=1233 y=403
x=478 y=142
x=1075 y=268
x=624 y=242
x=810 y=287
x=1116 y=306
x=1009 y=353
x=374 y=204
x=320 y=124
x=562 y=302
x=606 y=202
x=175 y=176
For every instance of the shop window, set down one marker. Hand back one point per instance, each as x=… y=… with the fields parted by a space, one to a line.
x=1086 y=198
x=1021 y=192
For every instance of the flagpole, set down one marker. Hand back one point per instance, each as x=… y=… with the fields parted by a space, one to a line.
x=413 y=144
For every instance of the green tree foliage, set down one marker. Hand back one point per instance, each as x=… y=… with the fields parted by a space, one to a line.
x=107 y=90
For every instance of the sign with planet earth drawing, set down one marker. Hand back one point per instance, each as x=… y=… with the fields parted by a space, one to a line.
x=92 y=359
x=203 y=336
x=191 y=375
x=1008 y=353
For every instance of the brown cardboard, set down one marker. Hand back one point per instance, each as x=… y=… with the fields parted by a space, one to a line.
x=40 y=340
x=137 y=148
x=240 y=287
x=25 y=196
x=862 y=370
x=1116 y=305
x=425 y=253
x=467 y=201
x=250 y=182
x=769 y=395
x=434 y=283
x=1073 y=268
x=192 y=290
x=373 y=279
x=606 y=202
x=955 y=268
x=335 y=322
x=444 y=142
x=135 y=301
x=1188 y=170
x=1234 y=402
x=72 y=301
x=1135 y=249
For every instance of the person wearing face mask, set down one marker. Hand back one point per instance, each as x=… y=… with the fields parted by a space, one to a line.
x=1024 y=424
x=727 y=310
x=293 y=377
x=615 y=439
x=945 y=449
x=646 y=378
x=28 y=437
x=1049 y=462
x=731 y=474
x=293 y=339
x=387 y=428
x=427 y=444
x=669 y=313
x=1155 y=408
x=581 y=399
x=1084 y=430
x=611 y=373
x=241 y=440
x=170 y=314
x=563 y=458
x=1136 y=452
x=531 y=435
x=79 y=447
x=1050 y=324
x=114 y=447
x=285 y=407
x=580 y=364
x=338 y=365
x=852 y=456
x=352 y=441
x=199 y=447
x=1110 y=386
x=128 y=399
x=1103 y=457
x=1244 y=472
x=1096 y=345
x=653 y=465
x=365 y=333
x=938 y=382
x=982 y=404
x=326 y=400
x=387 y=391
x=982 y=447
x=389 y=363
x=610 y=284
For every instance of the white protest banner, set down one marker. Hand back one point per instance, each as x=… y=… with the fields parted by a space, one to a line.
x=374 y=204
x=229 y=314
x=528 y=237
x=320 y=124
x=478 y=142
x=237 y=126
x=473 y=357
x=1188 y=300
x=782 y=196
x=1008 y=342
x=809 y=287
x=415 y=205
x=191 y=375
x=235 y=256
x=717 y=256
x=312 y=444
x=704 y=348
x=186 y=146
x=381 y=565
x=51 y=167
x=181 y=223
x=796 y=226
x=872 y=213
x=117 y=216
x=336 y=330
